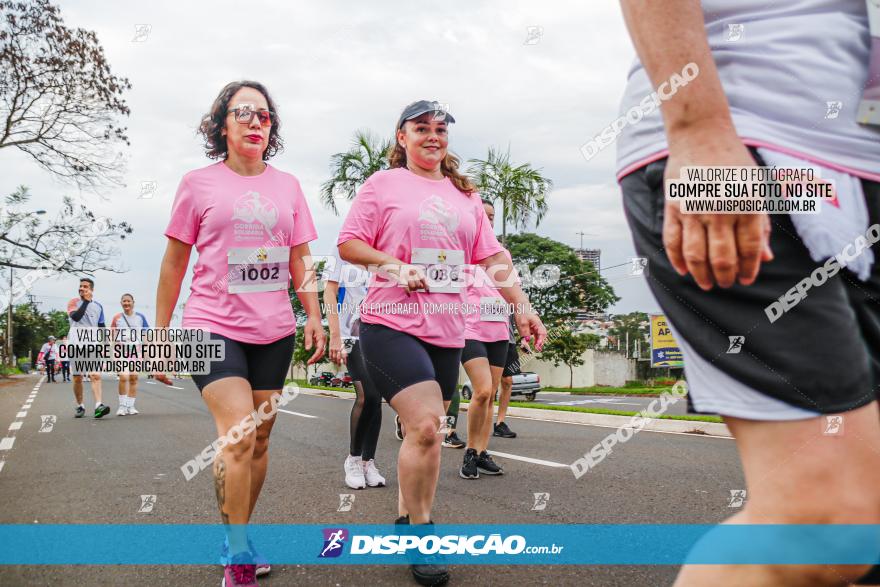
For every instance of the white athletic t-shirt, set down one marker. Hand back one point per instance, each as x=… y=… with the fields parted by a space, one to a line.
x=353 y=282
x=794 y=73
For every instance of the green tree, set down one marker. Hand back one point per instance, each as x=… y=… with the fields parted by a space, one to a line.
x=31 y=328
x=568 y=348
x=559 y=285
x=632 y=327
x=521 y=189
x=351 y=169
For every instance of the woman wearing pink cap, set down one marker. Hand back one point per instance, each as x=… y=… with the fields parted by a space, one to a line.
x=417 y=226
x=251 y=226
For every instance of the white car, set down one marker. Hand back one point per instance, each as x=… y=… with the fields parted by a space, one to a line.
x=525 y=384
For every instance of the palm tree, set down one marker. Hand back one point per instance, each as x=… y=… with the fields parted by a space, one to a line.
x=521 y=189
x=352 y=168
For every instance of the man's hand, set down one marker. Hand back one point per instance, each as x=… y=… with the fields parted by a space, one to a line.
x=713 y=248
x=314 y=338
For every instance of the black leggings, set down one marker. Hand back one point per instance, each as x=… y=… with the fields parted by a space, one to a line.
x=366 y=413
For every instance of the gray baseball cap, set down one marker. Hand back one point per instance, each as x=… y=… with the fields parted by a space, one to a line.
x=416 y=109
x=51 y=338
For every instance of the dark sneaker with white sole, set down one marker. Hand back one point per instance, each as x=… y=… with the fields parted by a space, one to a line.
x=398 y=429
x=469 y=466
x=503 y=431
x=453 y=441
x=80 y=412
x=487 y=466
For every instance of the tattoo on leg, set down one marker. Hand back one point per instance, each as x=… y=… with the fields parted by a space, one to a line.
x=220 y=486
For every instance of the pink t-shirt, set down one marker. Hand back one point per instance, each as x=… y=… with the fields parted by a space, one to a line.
x=398 y=212
x=487 y=320
x=240 y=227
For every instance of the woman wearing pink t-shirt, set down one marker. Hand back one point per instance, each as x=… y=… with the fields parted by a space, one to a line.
x=417 y=226
x=251 y=226
x=487 y=338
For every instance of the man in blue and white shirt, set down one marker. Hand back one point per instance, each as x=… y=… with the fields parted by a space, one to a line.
x=84 y=313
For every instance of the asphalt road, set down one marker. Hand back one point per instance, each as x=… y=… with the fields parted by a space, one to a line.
x=94 y=471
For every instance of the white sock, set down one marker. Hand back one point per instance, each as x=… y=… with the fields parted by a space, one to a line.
x=131 y=402
x=82 y=406
x=122 y=401
x=98 y=404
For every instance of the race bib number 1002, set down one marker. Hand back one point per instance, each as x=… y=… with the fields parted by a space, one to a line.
x=258 y=269
x=443 y=268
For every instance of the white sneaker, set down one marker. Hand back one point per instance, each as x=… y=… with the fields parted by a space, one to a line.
x=371 y=474
x=121 y=411
x=132 y=411
x=354 y=473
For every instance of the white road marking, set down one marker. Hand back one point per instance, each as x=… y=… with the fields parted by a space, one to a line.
x=174 y=387
x=1 y=465
x=529 y=460
x=6 y=443
x=297 y=414
x=150 y=382
x=21 y=415
x=15 y=426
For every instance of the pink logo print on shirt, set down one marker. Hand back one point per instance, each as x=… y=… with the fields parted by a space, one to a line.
x=253 y=208
x=435 y=209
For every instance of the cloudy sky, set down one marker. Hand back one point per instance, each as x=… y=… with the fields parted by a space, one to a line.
x=335 y=67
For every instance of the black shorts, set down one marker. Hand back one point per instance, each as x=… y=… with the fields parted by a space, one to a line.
x=822 y=355
x=511 y=364
x=395 y=360
x=496 y=351
x=265 y=366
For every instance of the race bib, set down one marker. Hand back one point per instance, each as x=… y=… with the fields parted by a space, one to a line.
x=443 y=268
x=258 y=269
x=493 y=310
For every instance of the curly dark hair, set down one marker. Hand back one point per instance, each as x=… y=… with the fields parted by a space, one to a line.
x=215 y=121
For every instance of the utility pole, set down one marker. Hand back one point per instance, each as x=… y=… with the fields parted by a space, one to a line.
x=9 y=323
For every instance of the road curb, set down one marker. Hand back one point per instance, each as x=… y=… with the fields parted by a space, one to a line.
x=607 y=420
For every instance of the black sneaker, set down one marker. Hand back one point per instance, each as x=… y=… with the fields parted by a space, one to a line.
x=398 y=431
x=486 y=465
x=469 y=466
x=453 y=441
x=427 y=571
x=503 y=431
x=101 y=410
x=80 y=412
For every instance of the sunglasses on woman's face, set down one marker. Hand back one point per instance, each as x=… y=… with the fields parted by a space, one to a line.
x=244 y=114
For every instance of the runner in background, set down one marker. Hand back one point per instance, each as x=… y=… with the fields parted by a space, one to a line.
x=84 y=312
x=421 y=217
x=511 y=368
x=48 y=353
x=251 y=226
x=484 y=356
x=452 y=440
x=768 y=84
x=127 y=320
x=345 y=288
x=65 y=364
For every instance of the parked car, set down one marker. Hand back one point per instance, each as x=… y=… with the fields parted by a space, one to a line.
x=325 y=378
x=526 y=384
